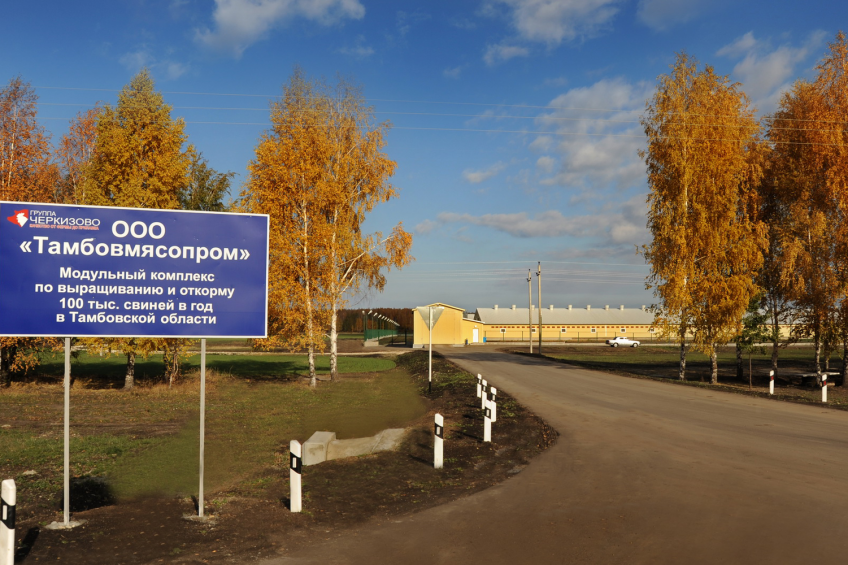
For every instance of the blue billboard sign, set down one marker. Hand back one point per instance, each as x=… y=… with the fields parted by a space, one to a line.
x=88 y=271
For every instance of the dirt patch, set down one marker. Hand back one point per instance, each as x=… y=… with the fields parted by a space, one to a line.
x=252 y=520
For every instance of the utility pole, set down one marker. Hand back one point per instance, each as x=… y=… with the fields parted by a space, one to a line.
x=530 y=309
x=539 y=275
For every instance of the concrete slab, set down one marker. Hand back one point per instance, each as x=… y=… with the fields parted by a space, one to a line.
x=384 y=441
x=389 y=439
x=315 y=448
x=350 y=447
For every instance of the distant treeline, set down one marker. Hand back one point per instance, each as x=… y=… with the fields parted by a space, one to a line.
x=351 y=320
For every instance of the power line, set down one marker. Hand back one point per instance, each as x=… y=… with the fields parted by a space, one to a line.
x=477 y=116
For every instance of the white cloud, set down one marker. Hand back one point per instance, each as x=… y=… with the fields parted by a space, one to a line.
x=175 y=70
x=503 y=52
x=134 y=61
x=240 y=23
x=766 y=72
x=663 y=14
x=596 y=134
x=453 y=73
x=546 y=164
x=426 y=227
x=625 y=226
x=476 y=177
x=738 y=47
x=359 y=50
x=555 y=21
x=406 y=21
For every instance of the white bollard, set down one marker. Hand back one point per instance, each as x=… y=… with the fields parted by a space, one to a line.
x=439 y=443
x=771 y=382
x=8 y=500
x=824 y=387
x=487 y=425
x=295 y=469
x=484 y=392
x=493 y=403
x=479 y=384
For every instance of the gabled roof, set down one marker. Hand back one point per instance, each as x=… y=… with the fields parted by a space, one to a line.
x=564 y=316
x=435 y=304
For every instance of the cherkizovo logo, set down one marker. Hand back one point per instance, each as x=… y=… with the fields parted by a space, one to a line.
x=21 y=217
x=49 y=219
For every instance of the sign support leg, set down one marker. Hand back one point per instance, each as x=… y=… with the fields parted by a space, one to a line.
x=202 y=422
x=67 y=483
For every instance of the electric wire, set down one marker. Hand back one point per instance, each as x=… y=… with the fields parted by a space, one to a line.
x=442 y=102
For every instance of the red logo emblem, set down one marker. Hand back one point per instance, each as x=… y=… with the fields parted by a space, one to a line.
x=21 y=217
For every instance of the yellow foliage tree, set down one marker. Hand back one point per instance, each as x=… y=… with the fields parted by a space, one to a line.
x=139 y=162
x=74 y=153
x=703 y=164
x=809 y=170
x=27 y=171
x=318 y=171
x=357 y=173
x=27 y=174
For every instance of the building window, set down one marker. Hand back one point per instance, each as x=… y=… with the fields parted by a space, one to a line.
x=652 y=330
x=534 y=330
x=594 y=330
x=562 y=330
x=503 y=330
x=623 y=330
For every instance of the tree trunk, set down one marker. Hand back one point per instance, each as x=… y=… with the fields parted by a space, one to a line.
x=334 y=343
x=844 y=371
x=5 y=362
x=739 y=370
x=774 y=358
x=682 y=370
x=818 y=353
x=713 y=366
x=775 y=342
x=175 y=367
x=129 y=379
x=750 y=372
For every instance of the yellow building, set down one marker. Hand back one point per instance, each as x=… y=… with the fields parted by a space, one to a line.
x=455 y=326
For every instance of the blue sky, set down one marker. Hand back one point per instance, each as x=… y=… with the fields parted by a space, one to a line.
x=515 y=122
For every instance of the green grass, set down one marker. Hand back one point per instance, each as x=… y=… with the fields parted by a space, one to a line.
x=247 y=424
x=93 y=367
x=664 y=361
x=146 y=441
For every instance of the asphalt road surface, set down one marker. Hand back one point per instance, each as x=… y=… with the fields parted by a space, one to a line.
x=643 y=472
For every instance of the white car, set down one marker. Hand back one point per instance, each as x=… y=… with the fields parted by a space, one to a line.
x=616 y=341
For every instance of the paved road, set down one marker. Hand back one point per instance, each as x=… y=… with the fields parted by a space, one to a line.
x=643 y=472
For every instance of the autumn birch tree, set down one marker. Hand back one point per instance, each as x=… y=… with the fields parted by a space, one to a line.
x=809 y=170
x=707 y=244
x=287 y=180
x=27 y=174
x=74 y=153
x=357 y=173
x=27 y=171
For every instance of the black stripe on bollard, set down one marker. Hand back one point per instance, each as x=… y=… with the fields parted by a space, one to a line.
x=440 y=431
x=7 y=514
x=296 y=463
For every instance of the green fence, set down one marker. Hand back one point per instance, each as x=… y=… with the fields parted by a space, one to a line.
x=379 y=333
